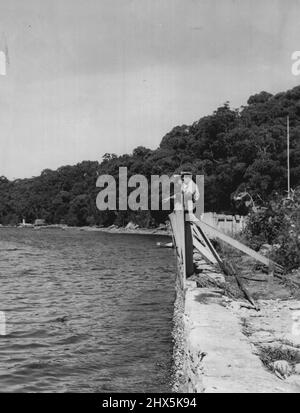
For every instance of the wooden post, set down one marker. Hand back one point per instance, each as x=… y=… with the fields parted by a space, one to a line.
x=188 y=241
x=182 y=232
x=183 y=241
x=188 y=237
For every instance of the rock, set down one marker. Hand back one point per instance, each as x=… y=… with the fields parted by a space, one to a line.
x=198 y=256
x=295 y=306
x=206 y=267
x=297 y=368
x=256 y=315
x=284 y=347
x=218 y=277
x=235 y=305
x=293 y=339
x=262 y=337
x=282 y=367
x=131 y=225
x=265 y=249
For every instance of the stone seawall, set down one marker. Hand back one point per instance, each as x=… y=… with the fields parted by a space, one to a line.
x=212 y=353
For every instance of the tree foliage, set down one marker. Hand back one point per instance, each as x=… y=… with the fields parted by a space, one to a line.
x=233 y=148
x=278 y=225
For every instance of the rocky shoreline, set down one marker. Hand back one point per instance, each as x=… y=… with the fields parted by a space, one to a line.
x=123 y=230
x=110 y=230
x=178 y=339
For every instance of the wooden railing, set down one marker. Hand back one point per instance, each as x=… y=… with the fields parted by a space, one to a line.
x=190 y=233
x=177 y=222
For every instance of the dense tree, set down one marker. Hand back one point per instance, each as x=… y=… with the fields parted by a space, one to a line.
x=234 y=149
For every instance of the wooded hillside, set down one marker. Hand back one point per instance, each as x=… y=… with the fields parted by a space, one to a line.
x=234 y=148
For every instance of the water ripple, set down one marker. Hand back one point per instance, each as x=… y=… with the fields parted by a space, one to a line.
x=85 y=312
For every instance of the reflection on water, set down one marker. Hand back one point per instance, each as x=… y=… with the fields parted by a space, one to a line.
x=85 y=311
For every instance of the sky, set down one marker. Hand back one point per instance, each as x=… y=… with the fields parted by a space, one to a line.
x=86 y=77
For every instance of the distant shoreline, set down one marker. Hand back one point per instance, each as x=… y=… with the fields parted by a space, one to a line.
x=120 y=230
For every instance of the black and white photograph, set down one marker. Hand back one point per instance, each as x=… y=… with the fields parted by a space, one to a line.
x=149 y=199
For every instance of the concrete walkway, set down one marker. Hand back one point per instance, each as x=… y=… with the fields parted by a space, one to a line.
x=219 y=357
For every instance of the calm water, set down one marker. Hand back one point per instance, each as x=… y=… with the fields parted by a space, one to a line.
x=85 y=312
